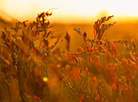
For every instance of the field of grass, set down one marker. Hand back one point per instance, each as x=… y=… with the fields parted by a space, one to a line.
x=117 y=32
x=89 y=63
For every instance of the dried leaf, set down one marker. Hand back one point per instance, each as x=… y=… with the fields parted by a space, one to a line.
x=40 y=15
x=67 y=37
x=132 y=56
x=109 y=17
x=84 y=34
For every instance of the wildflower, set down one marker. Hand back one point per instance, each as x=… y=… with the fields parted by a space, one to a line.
x=78 y=29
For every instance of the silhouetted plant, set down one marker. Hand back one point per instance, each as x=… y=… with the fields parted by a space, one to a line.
x=32 y=70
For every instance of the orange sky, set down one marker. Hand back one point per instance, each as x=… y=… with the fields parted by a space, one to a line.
x=72 y=11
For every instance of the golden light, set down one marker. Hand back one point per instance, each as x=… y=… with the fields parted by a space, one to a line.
x=70 y=10
x=45 y=79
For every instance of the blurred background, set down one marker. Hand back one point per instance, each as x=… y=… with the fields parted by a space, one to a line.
x=72 y=11
x=76 y=13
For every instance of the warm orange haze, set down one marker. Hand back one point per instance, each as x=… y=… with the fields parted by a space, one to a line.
x=68 y=51
x=72 y=11
x=77 y=13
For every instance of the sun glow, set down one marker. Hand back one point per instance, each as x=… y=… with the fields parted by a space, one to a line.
x=70 y=10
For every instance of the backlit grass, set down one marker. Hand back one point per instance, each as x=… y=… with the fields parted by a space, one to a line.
x=39 y=63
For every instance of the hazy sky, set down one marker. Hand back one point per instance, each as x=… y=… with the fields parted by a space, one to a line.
x=70 y=10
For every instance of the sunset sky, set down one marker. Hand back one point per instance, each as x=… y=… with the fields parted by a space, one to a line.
x=71 y=10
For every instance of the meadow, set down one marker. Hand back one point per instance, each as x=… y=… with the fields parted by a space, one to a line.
x=43 y=62
x=115 y=33
x=118 y=32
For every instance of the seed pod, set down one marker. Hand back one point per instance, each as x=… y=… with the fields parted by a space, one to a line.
x=67 y=37
x=84 y=34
